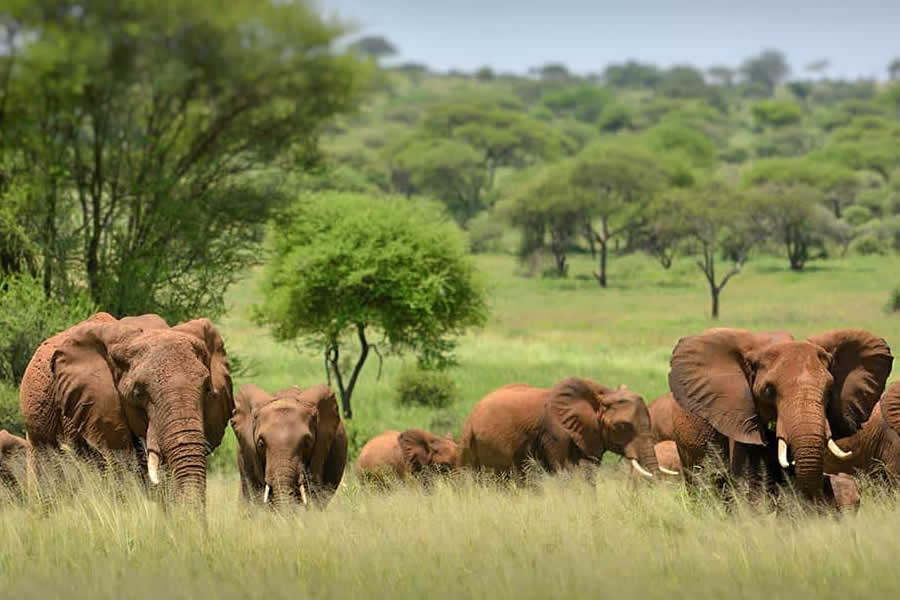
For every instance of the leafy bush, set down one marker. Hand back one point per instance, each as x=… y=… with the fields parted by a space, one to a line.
x=868 y=245
x=777 y=113
x=857 y=215
x=418 y=387
x=10 y=415
x=614 y=117
x=893 y=304
x=27 y=318
x=485 y=233
x=734 y=154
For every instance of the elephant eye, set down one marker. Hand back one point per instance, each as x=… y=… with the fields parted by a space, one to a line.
x=769 y=391
x=261 y=443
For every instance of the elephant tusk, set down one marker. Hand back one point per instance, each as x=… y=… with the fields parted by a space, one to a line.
x=783 y=454
x=637 y=467
x=267 y=493
x=303 y=493
x=153 y=467
x=669 y=471
x=836 y=450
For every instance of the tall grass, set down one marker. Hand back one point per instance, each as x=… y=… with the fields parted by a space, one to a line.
x=105 y=537
x=561 y=538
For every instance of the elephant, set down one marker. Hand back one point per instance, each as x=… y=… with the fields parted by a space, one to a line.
x=398 y=455
x=12 y=458
x=573 y=422
x=292 y=445
x=136 y=386
x=779 y=402
x=693 y=437
x=667 y=456
x=875 y=448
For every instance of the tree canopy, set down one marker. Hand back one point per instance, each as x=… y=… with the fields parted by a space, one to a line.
x=349 y=267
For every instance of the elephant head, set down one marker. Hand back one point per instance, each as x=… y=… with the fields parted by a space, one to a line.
x=597 y=418
x=12 y=454
x=424 y=451
x=807 y=391
x=292 y=443
x=170 y=387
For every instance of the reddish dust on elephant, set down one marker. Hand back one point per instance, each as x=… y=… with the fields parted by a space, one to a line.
x=135 y=386
x=574 y=422
x=778 y=402
x=292 y=446
x=396 y=455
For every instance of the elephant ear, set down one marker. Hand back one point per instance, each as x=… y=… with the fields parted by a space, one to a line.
x=710 y=377
x=861 y=363
x=220 y=401
x=328 y=424
x=415 y=448
x=86 y=368
x=890 y=406
x=573 y=404
x=247 y=403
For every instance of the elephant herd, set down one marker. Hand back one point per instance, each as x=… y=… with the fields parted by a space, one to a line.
x=776 y=410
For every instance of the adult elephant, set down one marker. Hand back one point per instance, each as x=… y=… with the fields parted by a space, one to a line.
x=779 y=401
x=400 y=454
x=692 y=436
x=291 y=444
x=573 y=422
x=875 y=448
x=12 y=458
x=133 y=385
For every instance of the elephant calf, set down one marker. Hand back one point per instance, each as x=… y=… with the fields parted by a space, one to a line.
x=291 y=445
x=12 y=458
x=575 y=421
x=667 y=457
x=397 y=455
x=875 y=448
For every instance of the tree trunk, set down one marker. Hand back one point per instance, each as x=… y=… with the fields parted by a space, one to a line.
x=714 y=291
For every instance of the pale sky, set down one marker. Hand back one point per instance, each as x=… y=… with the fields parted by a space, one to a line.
x=860 y=37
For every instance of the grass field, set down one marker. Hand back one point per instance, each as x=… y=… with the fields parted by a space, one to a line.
x=564 y=539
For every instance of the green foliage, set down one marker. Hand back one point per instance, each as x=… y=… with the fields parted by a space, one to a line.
x=585 y=103
x=28 y=317
x=141 y=129
x=786 y=141
x=893 y=303
x=485 y=233
x=857 y=215
x=346 y=264
x=632 y=74
x=795 y=218
x=418 y=387
x=615 y=116
x=671 y=138
x=767 y=69
x=868 y=245
x=777 y=113
x=10 y=414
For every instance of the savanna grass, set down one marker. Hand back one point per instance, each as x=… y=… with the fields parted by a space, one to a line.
x=102 y=536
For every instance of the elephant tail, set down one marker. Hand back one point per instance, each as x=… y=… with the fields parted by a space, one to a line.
x=469 y=454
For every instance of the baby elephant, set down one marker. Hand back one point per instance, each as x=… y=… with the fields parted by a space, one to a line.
x=398 y=455
x=292 y=445
x=12 y=458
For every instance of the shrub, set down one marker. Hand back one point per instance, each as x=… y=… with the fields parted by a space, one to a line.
x=868 y=245
x=893 y=304
x=418 y=387
x=485 y=233
x=734 y=154
x=10 y=415
x=27 y=318
x=857 y=215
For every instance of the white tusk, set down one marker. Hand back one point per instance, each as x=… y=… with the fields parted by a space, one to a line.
x=266 y=494
x=637 y=467
x=303 y=493
x=782 y=453
x=669 y=471
x=836 y=450
x=153 y=467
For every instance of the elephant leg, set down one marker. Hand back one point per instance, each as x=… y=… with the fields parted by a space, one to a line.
x=842 y=492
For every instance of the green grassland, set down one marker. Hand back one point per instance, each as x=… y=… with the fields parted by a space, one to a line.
x=563 y=538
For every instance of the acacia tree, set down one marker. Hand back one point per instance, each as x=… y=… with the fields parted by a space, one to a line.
x=347 y=268
x=795 y=218
x=717 y=219
x=614 y=185
x=141 y=127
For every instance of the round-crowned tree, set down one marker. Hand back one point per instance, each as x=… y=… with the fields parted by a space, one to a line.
x=347 y=269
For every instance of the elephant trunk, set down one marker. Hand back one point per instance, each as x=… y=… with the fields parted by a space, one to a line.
x=804 y=435
x=643 y=456
x=286 y=484
x=182 y=443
